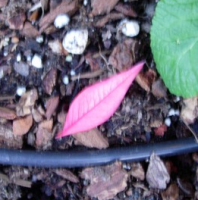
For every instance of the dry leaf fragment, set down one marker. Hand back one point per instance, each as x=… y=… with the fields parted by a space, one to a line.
x=16 y=22
x=106 y=181
x=68 y=175
x=137 y=171
x=92 y=139
x=44 y=6
x=8 y=139
x=157 y=175
x=51 y=106
x=56 y=46
x=159 y=90
x=37 y=115
x=172 y=192
x=146 y=79
x=189 y=110
x=7 y=113
x=49 y=81
x=100 y=7
x=123 y=55
x=22 y=125
x=29 y=30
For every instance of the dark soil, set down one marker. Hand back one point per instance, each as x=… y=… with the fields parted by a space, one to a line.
x=140 y=119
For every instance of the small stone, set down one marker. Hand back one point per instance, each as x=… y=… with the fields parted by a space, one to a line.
x=18 y=58
x=167 y=121
x=15 y=40
x=21 y=90
x=72 y=73
x=40 y=39
x=130 y=28
x=85 y=2
x=171 y=112
x=5 y=53
x=68 y=58
x=61 y=21
x=66 y=80
x=21 y=68
x=37 y=61
x=75 y=41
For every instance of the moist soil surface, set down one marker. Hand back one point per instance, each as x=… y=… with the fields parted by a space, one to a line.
x=35 y=99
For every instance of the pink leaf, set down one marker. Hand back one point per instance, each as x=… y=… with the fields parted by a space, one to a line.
x=96 y=104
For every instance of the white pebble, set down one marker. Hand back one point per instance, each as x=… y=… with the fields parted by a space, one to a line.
x=68 y=58
x=129 y=28
x=167 y=121
x=20 y=90
x=85 y=2
x=40 y=39
x=72 y=72
x=29 y=58
x=5 y=53
x=37 y=61
x=171 y=112
x=177 y=112
x=65 y=79
x=18 y=58
x=177 y=99
x=75 y=41
x=61 y=21
x=1 y=74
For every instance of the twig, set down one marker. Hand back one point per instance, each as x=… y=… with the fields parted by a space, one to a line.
x=4 y=98
x=87 y=75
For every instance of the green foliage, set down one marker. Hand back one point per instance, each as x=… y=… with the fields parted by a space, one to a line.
x=174 y=44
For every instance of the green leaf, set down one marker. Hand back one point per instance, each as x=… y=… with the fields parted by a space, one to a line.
x=174 y=44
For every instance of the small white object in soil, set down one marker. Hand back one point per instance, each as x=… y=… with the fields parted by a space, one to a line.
x=37 y=61
x=40 y=39
x=177 y=99
x=167 y=121
x=177 y=112
x=129 y=28
x=1 y=74
x=85 y=2
x=18 y=58
x=61 y=21
x=75 y=41
x=69 y=58
x=20 y=90
x=66 y=80
x=29 y=58
x=72 y=72
x=5 y=53
x=171 y=112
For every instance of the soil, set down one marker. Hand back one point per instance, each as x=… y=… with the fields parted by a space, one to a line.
x=31 y=121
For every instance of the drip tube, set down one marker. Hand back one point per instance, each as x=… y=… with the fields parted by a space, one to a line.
x=72 y=159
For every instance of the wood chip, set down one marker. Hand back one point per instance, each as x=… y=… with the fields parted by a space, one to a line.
x=8 y=139
x=3 y=3
x=44 y=134
x=68 y=175
x=160 y=130
x=27 y=101
x=161 y=177
x=92 y=139
x=109 y=17
x=7 y=113
x=146 y=79
x=172 y=193
x=137 y=171
x=125 y=10
x=37 y=116
x=16 y=22
x=66 y=7
x=100 y=7
x=105 y=182
x=123 y=55
x=49 y=81
x=22 y=125
x=51 y=106
x=29 y=30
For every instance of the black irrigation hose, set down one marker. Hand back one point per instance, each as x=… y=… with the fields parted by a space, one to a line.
x=95 y=157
